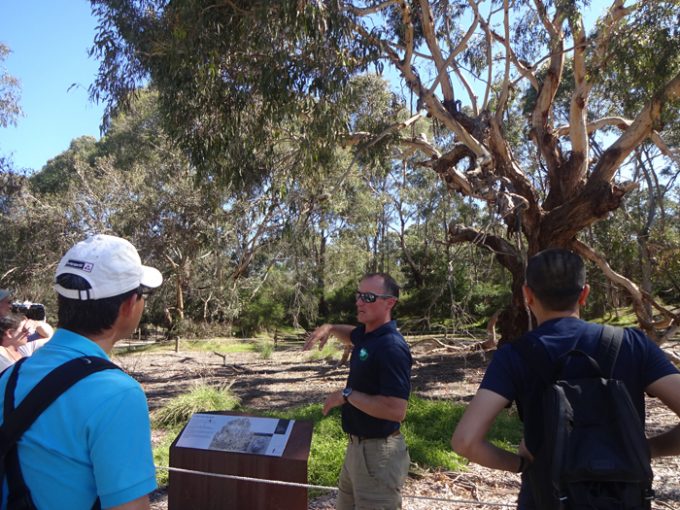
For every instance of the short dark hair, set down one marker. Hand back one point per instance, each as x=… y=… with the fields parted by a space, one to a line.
x=390 y=286
x=556 y=276
x=10 y=321
x=88 y=316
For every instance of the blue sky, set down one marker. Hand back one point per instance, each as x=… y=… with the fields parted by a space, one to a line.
x=49 y=40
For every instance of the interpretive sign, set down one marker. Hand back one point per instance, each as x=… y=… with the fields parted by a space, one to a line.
x=242 y=434
x=215 y=444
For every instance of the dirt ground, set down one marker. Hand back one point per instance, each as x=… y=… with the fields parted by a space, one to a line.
x=288 y=379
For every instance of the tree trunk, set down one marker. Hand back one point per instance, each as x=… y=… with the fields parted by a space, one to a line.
x=321 y=282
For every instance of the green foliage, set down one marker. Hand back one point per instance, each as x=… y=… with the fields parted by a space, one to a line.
x=622 y=317
x=342 y=304
x=9 y=93
x=332 y=350
x=201 y=398
x=644 y=54
x=60 y=171
x=217 y=345
x=263 y=312
x=429 y=425
x=328 y=445
x=281 y=58
x=427 y=429
x=161 y=453
x=238 y=173
x=265 y=348
x=487 y=297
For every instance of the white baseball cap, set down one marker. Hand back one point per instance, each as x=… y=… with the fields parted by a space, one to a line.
x=111 y=265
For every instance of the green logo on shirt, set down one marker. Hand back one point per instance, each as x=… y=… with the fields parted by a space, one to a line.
x=363 y=354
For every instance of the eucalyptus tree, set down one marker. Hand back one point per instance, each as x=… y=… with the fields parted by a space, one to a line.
x=10 y=109
x=229 y=73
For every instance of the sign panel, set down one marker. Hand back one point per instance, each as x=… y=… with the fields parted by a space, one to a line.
x=242 y=434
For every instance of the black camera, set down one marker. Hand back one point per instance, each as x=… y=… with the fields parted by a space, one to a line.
x=33 y=311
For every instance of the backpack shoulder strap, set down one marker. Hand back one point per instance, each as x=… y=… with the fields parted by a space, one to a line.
x=608 y=348
x=17 y=421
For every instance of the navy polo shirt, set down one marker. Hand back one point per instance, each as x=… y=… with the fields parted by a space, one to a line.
x=640 y=362
x=380 y=365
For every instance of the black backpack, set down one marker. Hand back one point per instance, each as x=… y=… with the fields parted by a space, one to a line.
x=17 y=421
x=594 y=453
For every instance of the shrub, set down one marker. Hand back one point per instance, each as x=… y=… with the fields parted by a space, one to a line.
x=200 y=399
x=265 y=348
x=332 y=350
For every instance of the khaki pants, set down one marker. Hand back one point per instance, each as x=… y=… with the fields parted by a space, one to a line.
x=373 y=473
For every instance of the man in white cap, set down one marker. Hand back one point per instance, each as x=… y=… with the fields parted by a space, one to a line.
x=92 y=447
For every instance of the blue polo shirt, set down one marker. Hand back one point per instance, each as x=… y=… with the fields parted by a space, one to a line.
x=94 y=440
x=380 y=365
x=640 y=362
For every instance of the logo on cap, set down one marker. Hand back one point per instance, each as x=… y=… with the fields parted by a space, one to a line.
x=77 y=264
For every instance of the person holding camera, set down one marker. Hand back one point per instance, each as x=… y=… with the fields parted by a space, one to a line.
x=34 y=313
x=14 y=344
x=38 y=328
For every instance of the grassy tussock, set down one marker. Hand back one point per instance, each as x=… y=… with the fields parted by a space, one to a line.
x=200 y=399
x=330 y=351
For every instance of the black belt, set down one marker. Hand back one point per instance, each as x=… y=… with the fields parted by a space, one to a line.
x=353 y=437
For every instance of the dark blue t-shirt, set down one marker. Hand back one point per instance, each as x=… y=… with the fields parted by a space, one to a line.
x=380 y=365
x=640 y=363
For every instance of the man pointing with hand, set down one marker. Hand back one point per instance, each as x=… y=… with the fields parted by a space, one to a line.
x=374 y=400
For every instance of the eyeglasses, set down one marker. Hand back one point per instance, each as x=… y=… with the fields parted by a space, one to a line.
x=370 y=297
x=144 y=292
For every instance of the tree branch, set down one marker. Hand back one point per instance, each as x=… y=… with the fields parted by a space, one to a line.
x=428 y=31
x=445 y=167
x=614 y=15
x=361 y=136
x=408 y=38
x=545 y=139
x=623 y=124
x=450 y=61
x=505 y=253
x=640 y=129
x=637 y=295
x=366 y=11
x=577 y=110
x=551 y=28
x=505 y=90
x=489 y=63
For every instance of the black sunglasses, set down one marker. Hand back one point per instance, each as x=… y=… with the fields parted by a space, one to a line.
x=370 y=297
x=144 y=292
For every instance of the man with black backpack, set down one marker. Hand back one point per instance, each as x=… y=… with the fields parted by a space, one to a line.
x=75 y=429
x=580 y=391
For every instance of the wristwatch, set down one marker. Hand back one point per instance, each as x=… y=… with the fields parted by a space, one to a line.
x=346 y=393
